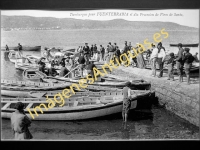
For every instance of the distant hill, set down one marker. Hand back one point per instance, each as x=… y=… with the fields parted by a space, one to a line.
x=27 y=22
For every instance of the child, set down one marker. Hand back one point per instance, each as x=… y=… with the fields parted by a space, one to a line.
x=171 y=63
x=126 y=102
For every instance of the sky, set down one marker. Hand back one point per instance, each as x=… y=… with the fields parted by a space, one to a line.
x=187 y=17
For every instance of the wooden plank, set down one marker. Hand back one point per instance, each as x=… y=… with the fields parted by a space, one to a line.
x=29 y=105
x=6 y=106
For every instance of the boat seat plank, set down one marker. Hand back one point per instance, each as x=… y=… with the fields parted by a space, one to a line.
x=106 y=101
x=6 y=106
x=29 y=105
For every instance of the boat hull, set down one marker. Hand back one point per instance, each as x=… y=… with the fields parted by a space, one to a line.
x=83 y=111
x=185 y=45
x=76 y=114
x=27 y=48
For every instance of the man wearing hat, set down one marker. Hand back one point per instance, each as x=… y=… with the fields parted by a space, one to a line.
x=91 y=51
x=86 y=50
x=179 y=62
x=111 y=51
x=20 y=123
x=20 y=49
x=187 y=59
x=161 y=58
x=81 y=61
x=95 y=52
x=170 y=66
x=126 y=102
x=153 y=59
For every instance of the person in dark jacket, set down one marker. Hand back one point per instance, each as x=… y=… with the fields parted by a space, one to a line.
x=89 y=68
x=42 y=64
x=117 y=55
x=63 y=70
x=52 y=70
x=81 y=61
x=170 y=66
x=7 y=48
x=179 y=62
x=20 y=123
x=102 y=53
x=187 y=59
x=86 y=50
x=20 y=49
x=111 y=51
x=95 y=52
x=91 y=51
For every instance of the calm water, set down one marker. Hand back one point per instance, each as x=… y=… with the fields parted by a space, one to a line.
x=155 y=124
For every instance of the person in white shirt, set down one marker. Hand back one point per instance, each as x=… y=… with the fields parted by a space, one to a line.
x=153 y=59
x=161 y=58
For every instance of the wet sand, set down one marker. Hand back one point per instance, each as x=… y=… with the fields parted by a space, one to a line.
x=157 y=123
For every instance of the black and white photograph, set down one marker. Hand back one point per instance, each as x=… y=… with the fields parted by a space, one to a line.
x=100 y=75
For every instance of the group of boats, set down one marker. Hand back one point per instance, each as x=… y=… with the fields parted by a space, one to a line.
x=99 y=99
x=103 y=97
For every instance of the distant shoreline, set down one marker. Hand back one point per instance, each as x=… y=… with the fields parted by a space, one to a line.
x=193 y=30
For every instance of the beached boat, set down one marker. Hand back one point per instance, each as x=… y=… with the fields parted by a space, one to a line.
x=33 y=75
x=69 y=50
x=185 y=45
x=77 y=108
x=13 y=56
x=25 y=48
x=111 y=82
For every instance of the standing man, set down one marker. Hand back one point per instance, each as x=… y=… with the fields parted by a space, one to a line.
x=117 y=55
x=81 y=61
x=86 y=50
x=102 y=52
x=20 y=50
x=125 y=50
x=187 y=59
x=153 y=59
x=111 y=51
x=107 y=57
x=129 y=46
x=89 y=68
x=161 y=58
x=179 y=62
x=95 y=52
x=115 y=47
x=20 y=123
x=91 y=51
x=7 y=48
x=126 y=102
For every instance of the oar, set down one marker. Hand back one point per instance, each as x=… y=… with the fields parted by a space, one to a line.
x=71 y=71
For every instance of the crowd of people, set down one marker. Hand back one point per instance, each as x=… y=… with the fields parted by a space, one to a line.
x=87 y=55
x=155 y=56
x=183 y=59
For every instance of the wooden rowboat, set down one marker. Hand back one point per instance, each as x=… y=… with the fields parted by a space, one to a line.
x=111 y=82
x=77 y=108
x=26 y=48
x=40 y=94
x=185 y=45
x=33 y=75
